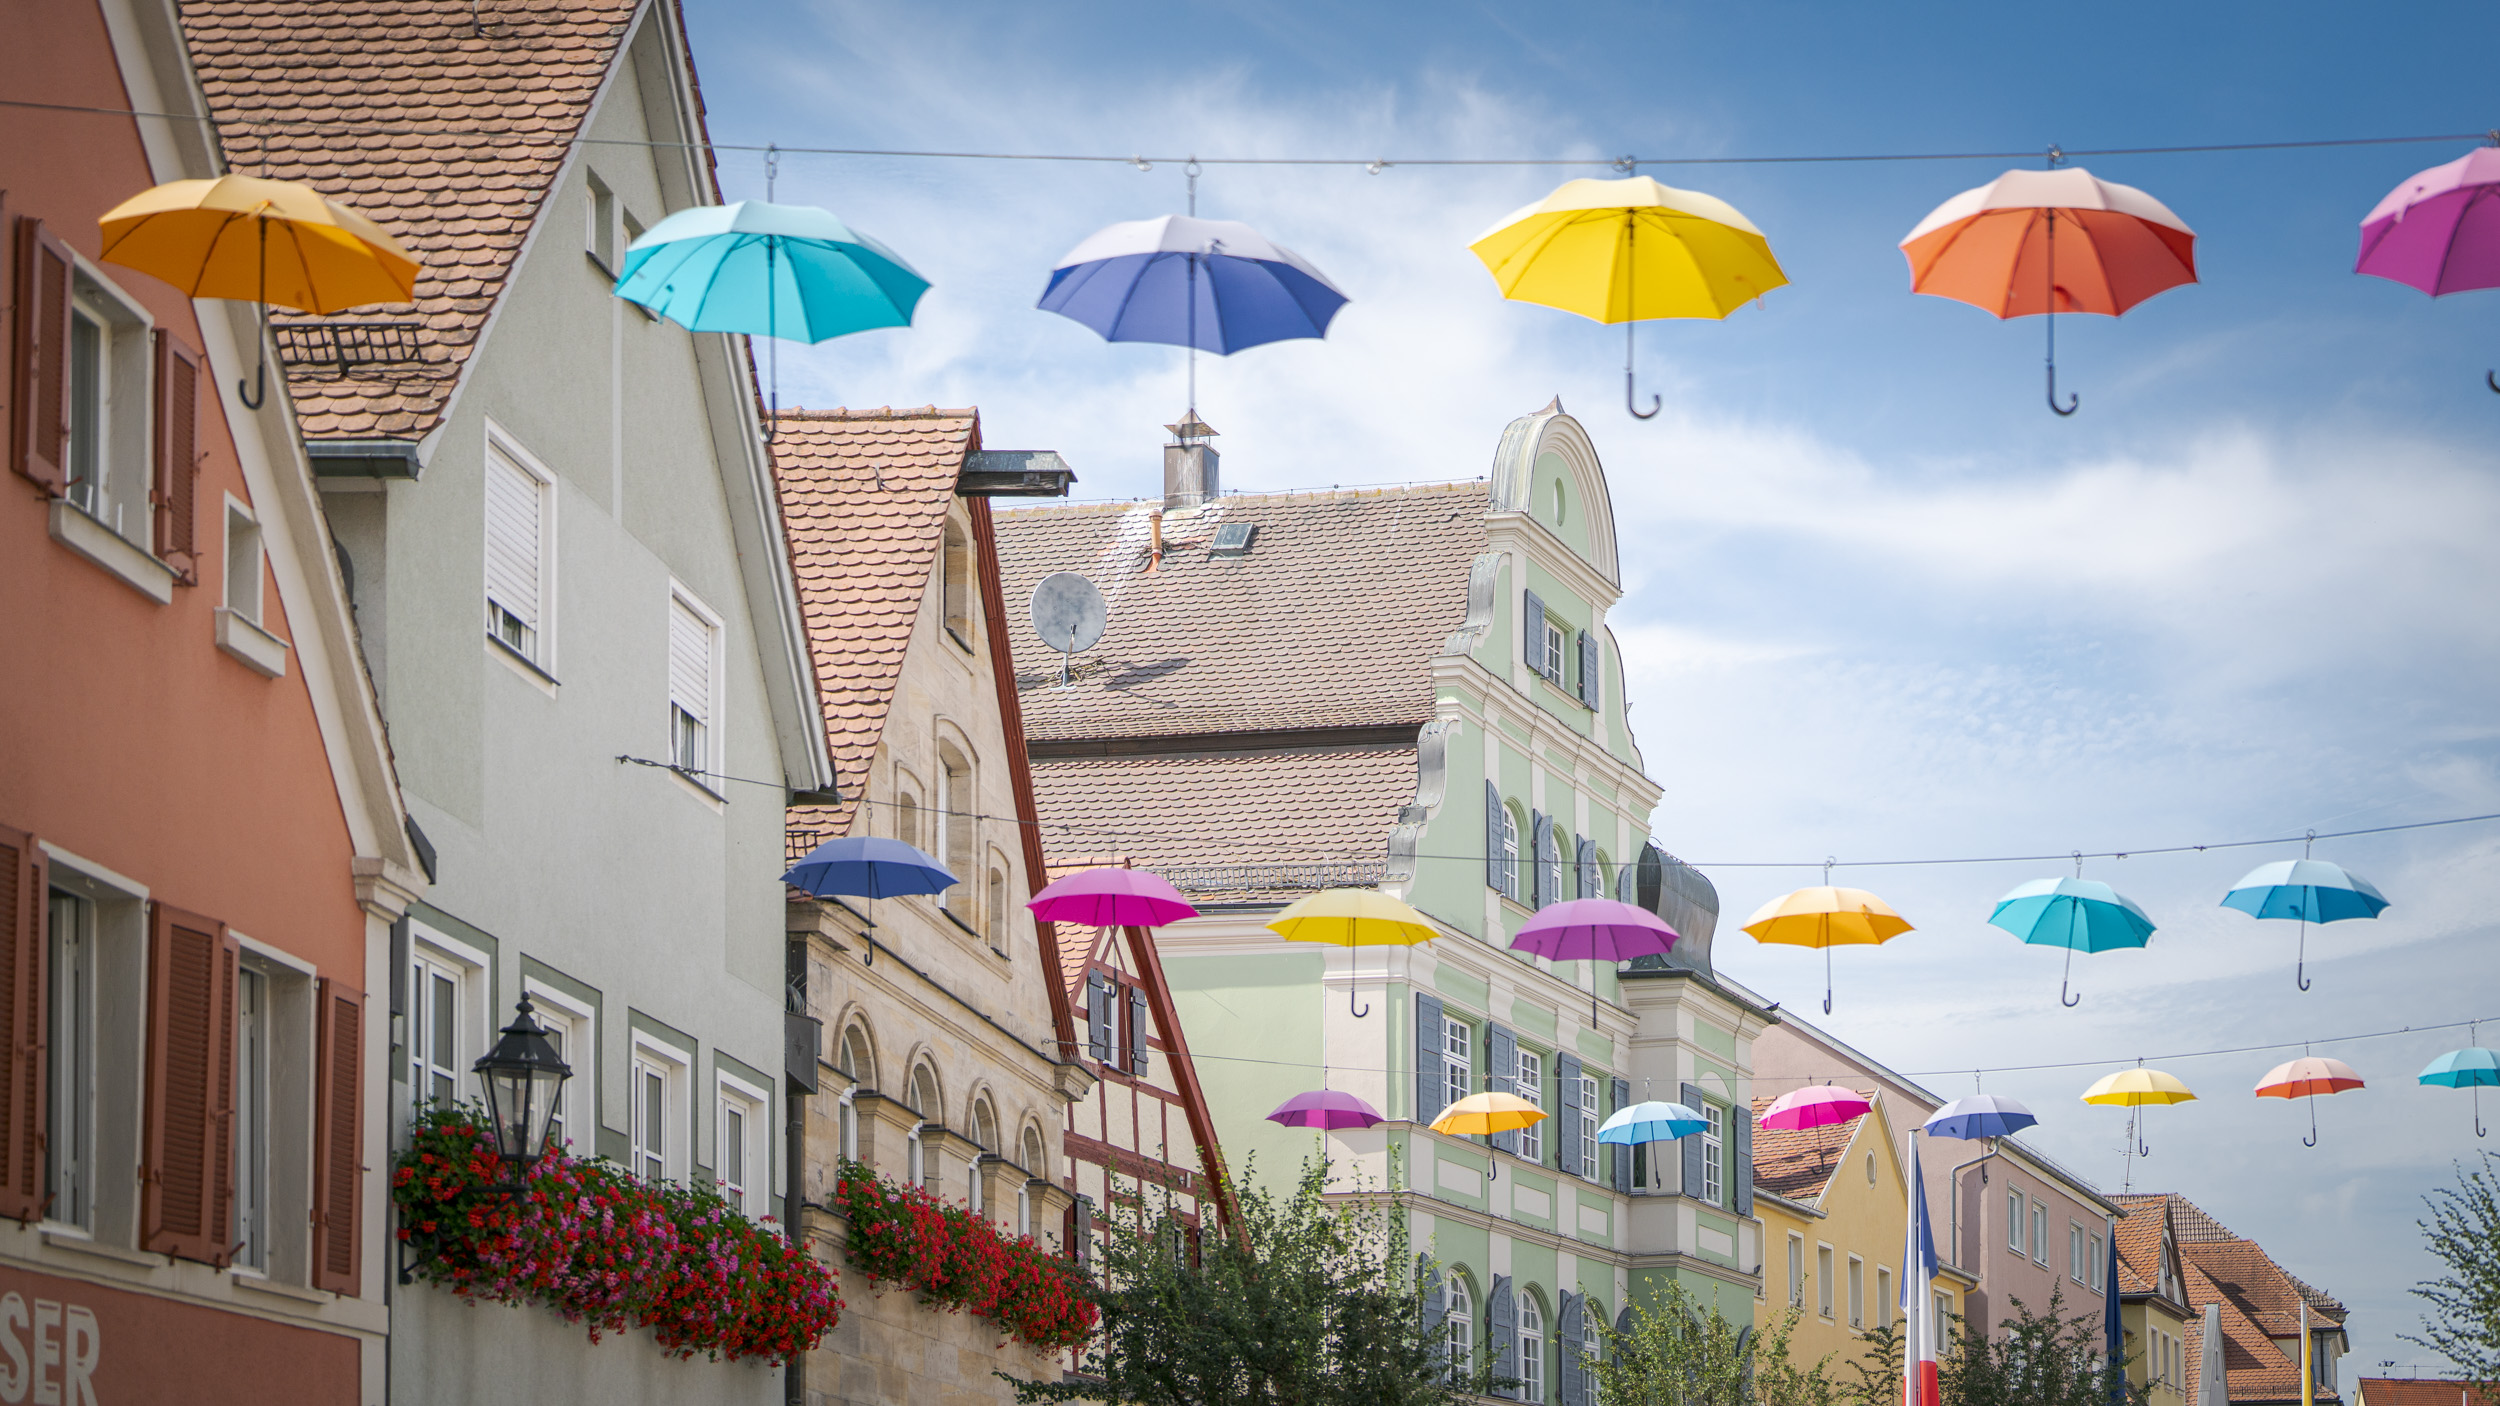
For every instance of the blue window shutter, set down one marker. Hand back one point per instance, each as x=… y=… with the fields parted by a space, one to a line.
x=1137 y=1030
x=1501 y=1054
x=1621 y=1172
x=1573 y=1379
x=1436 y=1299
x=1592 y=680
x=1502 y=1324
x=1567 y=1142
x=1541 y=847
x=1627 y=886
x=1584 y=879
x=1692 y=1098
x=1428 y=1071
x=1743 y=1119
x=1493 y=870
x=1532 y=636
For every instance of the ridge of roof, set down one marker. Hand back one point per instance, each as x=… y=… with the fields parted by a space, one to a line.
x=881 y=412
x=1243 y=497
x=2193 y=1225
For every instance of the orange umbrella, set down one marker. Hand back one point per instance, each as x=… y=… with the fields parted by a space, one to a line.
x=2308 y=1077
x=2046 y=242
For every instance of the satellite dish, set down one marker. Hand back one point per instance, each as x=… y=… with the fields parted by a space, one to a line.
x=1069 y=615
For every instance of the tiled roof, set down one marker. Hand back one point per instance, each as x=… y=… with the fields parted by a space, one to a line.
x=1232 y=826
x=446 y=138
x=2139 y=1238
x=2259 y=1301
x=864 y=495
x=2428 y=1391
x=2257 y=1366
x=1799 y=1165
x=1330 y=620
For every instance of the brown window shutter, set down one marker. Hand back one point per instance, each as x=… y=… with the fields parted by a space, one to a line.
x=40 y=393
x=24 y=899
x=187 y=1154
x=177 y=455
x=338 y=1113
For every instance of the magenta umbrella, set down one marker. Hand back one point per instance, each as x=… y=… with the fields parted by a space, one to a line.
x=1111 y=898
x=2440 y=230
x=1814 y=1107
x=1594 y=930
x=1326 y=1110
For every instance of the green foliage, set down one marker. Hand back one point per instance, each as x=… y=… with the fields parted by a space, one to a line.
x=2036 y=1359
x=1675 y=1355
x=2464 y=1232
x=1311 y=1302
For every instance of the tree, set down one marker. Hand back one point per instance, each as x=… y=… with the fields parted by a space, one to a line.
x=2039 y=1359
x=2464 y=1232
x=1675 y=1355
x=1310 y=1302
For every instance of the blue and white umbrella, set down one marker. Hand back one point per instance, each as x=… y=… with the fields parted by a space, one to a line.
x=2080 y=915
x=1208 y=285
x=1978 y=1116
x=1651 y=1122
x=2309 y=890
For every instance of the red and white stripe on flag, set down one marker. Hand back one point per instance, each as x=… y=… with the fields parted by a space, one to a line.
x=1918 y=1301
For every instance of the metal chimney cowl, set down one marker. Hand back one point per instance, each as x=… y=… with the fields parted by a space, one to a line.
x=1190 y=465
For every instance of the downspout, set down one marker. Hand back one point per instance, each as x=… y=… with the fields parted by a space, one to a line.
x=1956 y=1175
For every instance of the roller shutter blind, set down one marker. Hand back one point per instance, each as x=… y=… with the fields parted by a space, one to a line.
x=515 y=541
x=338 y=1108
x=39 y=363
x=24 y=899
x=1429 y=1074
x=187 y=1147
x=1501 y=1051
x=689 y=661
x=177 y=455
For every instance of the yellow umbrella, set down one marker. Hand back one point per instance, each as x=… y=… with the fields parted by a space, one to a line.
x=1630 y=250
x=1353 y=918
x=1826 y=917
x=1488 y=1113
x=2132 y=1089
x=259 y=241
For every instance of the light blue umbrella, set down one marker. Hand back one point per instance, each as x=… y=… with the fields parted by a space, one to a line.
x=1978 y=1116
x=1650 y=1122
x=2310 y=890
x=791 y=272
x=2078 y=914
x=2470 y=1068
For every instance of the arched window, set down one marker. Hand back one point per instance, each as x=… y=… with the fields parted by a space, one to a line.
x=906 y=808
x=1592 y=1343
x=1550 y=864
x=984 y=1124
x=996 y=918
x=955 y=589
x=1036 y=1156
x=1531 y=1348
x=1605 y=876
x=956 y=831
x=1462 y=1327
x=859 y=1057
x=1510 y=853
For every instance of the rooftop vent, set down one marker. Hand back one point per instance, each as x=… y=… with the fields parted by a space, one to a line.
x=1189 y=465
x=1233 y=539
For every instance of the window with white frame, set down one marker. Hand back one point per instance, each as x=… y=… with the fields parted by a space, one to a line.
x=2075 y=1269
x=2040 y=1232
x=2014 y=1220
x=1457 y=1060
x=1557 y=651
x=567 y=1021
x=1592 y=1341
x=1883 y=1297
x=1857 y=1292
x=599 y=239
x=255 y=1029
x=1944 y=1322
x=1510 y=853
x=106 y=456
x=1823 y=1280
x=655 y=1099
x=1531 y=1087
x=739 y=1164
x=1531 y=1349
x=1588 y=1127
x=2096 y=1263
x=1796 y=1271
x=242 y=562
x=1713 y=1152
x=1460 y=1325
x=520 y=548
x=70 y=1143
x=694 y=685
x=442 y=1010
x=1550 y=864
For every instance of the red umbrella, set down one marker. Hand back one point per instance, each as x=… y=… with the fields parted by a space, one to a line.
x=2308 y=1077
x=1111 y=898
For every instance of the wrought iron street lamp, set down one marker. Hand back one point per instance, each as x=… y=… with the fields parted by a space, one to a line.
x=523 y=1077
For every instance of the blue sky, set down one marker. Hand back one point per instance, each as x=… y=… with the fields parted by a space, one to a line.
x=1879 y=602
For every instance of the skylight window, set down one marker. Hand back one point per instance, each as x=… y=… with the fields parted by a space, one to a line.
x=1233 y=539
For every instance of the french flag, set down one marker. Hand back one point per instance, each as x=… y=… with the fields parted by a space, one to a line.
x=1918 y=1305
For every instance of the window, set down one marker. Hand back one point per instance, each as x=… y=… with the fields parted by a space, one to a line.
x=1870 y=1169
x=1592 y=1342
x=1944 y=1322
x=1457 y=1060
x=1713 y=1141
x=70 y=1140
x=1883 y=1297
x=740 y=1167
x=656 y=1099
x=1823 y=1280
x=1857 y=1292
x=1461 y=1325
x=694 y=677
x=1549 y=865
x=520 y=537
x=2014 y=1220
x=906 y=813
x=1588 y=1127
x=2096 y=1264
x=1532 y=1088
x=2040 y=1232
x=859 y=1058
x=1796 y=1271
x=599 y=239
x=2075 y=1269
x=1531 y=1349
x=1510 y=853
x=107 y=452
x=568 y=1025
x=1557 y=651
x=438 y=1021
x=958 y=829
x=996 y=916
x=243 y=563
x=254 y=1028
x=955 y=586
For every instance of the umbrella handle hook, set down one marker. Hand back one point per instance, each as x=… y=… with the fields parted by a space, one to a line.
x=2492 y=379
x=2062 y=998
x=2479 y=1129
x=1349 y=1003
x=260 y=373
x=259 y=386
x=2300 y=964
x=2312 y=1139
x=1631 y=231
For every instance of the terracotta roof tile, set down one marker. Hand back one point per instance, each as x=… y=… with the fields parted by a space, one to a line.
x=1799 y=1165
x=2139 y=1238
x=864 y=495
x=1331 y=619
x=2258 y=1299
x=446 y=138
x=2431 y=1391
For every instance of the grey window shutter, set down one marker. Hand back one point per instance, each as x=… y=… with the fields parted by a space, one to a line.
x=1573 y=1379
x=1567 y=1132
x=1541 y=846
x=1584 y=881
x=1137 y=1030
x=1627 y=887
x=1532 y=636
x=1692 y=1098
x=1623 y=1329
x=1502 y=1326
x=1501 y=1054
x=1592 y=681
x=1429 y=1075
x=1493 y=870
x=1098 y=1018
x=1621 y=1173
x=1743 y=1118
x=1436 y=1297
x=1083 y=1249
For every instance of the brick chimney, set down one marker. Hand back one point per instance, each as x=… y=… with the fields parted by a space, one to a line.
x=1189 y=464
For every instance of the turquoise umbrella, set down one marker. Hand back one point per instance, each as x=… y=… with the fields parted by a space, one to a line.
x=2470 y=1068
x=2078 y=914
x=2310 y=890
x=1651 y=1122
x=791 y=272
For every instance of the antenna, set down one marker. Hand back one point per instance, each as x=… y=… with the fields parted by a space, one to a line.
x=1069 y=615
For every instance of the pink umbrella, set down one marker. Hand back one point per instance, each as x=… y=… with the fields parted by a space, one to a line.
x=1111 y=898
x=1325 y=1109
x=2440 y=230
x=1814 y=1108
x=1594 y=930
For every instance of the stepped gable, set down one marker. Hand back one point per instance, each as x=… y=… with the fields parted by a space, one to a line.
x=864 y=495
x=448 y=138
